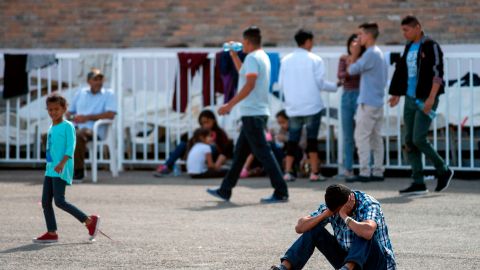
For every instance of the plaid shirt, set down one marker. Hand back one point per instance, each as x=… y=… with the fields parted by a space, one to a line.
x=367 y=208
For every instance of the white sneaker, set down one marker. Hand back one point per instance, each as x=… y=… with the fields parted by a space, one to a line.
x=288 y=177
x=317 y=177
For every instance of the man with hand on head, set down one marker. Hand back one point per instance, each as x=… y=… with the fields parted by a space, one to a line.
x=360 y=235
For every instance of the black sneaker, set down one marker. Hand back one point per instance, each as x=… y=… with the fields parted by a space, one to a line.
x=216 y=194
x=358 y=178
x=273 y=199
x=444 y=180
x=414 y=189
x=78 y=174
x=374 y=178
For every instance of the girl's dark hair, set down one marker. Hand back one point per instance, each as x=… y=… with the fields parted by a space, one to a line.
x=56 y=98
x=210 y=115
x=336 y=195
x=200 y=133
x=282 y=113
x=350 y=40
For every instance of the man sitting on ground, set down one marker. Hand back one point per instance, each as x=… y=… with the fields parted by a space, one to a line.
x=360 y=236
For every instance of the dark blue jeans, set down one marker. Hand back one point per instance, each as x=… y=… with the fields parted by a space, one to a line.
x=366 y=254
x=348 y=107
x=177 y=153
x=252 y=140
x=54 y=189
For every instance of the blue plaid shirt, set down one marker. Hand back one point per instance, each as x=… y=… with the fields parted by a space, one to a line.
x=367 y=208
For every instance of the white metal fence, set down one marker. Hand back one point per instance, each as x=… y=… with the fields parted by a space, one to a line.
x=148 y=126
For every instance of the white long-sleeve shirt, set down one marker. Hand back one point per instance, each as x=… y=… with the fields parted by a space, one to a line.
x=301 y=79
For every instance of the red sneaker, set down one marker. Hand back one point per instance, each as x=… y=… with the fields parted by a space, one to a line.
x=93 y=226
x=46 y=238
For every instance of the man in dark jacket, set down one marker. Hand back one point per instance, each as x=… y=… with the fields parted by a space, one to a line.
x=419 y=77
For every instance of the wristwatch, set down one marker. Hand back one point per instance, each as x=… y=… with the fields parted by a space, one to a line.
x=347 y=220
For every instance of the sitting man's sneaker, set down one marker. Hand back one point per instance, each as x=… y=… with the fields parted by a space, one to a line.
x=358 y=178
x=289 y=177
x=162 y=170
x=377 y=178
x=444 y=180
x=78 y=174
x=414 y=189
x=273 y=199
x=46 y=239
x=317 y=177
x=216 y=194
x=93 y=227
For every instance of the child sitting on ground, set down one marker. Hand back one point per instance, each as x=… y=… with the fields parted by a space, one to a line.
x=200 y=163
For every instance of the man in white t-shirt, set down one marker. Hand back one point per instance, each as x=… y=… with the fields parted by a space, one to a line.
x=301 y=79
x=254 y=83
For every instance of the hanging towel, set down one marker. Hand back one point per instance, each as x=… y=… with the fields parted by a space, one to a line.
x=193 y=62
x=15 y=76
x=36 y=61
x=275 y=68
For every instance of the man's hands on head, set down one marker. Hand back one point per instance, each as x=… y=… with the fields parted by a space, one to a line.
x=347 y=208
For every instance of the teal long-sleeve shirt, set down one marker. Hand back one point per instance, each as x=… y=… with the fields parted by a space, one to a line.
x=60 y=142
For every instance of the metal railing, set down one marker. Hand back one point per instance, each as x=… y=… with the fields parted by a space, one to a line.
x=149 y=125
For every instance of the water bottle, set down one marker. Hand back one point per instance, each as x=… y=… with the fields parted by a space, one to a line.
x=176 y=170
x=235 y=46
x=432 y=114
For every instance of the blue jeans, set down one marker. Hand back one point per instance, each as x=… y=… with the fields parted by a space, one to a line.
x=348 y=107
x=295 y=125
x=366 y=254
x=252 y=140
x=54 y=188
x=177 y=153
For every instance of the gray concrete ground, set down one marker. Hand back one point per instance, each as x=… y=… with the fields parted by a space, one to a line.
x=172 y=223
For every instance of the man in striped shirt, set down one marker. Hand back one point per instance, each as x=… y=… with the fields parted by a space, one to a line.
x=360 y=234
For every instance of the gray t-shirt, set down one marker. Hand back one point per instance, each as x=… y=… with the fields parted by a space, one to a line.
x=256 y=103
x=373 y=70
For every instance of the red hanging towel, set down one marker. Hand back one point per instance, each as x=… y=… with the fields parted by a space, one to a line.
x=193 y=62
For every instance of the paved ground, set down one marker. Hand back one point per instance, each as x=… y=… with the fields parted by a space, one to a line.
x=172 y=223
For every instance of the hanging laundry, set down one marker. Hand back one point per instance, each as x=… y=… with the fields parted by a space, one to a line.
x=36 y=61
x=465 y=80
x=192 y=62
x=228 y=73
x=15 y=76
x=274 y=68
